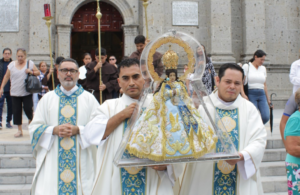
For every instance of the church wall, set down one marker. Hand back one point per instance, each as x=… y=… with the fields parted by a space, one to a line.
x=282 y=31
x=15 y=40
x=160 y=21
x=237 y=29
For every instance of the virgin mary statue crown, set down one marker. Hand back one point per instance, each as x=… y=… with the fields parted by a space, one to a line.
x=170 y=59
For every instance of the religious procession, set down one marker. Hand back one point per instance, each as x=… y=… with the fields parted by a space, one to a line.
x=148 y=97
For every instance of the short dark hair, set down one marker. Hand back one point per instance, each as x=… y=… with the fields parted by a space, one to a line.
x=259 y=53
x=86 y=54
x=127 y=63
x=140 y=39
x=59 y=60
x=103 y=52
x=231 y=66
x=5 y=49
x=69 y=60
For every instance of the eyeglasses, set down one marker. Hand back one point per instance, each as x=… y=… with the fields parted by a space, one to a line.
x=112 y=59
x=65 y=71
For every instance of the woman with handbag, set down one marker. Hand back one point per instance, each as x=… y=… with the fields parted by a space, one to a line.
x=18 y=72
x=256 y=85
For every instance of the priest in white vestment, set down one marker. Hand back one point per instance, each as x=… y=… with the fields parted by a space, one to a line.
x=106 y=130
x=62 y=166
x=248 y=134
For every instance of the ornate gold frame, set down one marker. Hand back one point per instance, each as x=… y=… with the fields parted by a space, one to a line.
x=177 y=41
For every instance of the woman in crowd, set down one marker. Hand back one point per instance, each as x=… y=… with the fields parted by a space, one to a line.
x=292 y=142
x=256 y=76
x=87 y=58
x=209 y=74
x=43 y=70
x=17 y=73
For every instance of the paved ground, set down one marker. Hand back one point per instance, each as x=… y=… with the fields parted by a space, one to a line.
x=7 y=135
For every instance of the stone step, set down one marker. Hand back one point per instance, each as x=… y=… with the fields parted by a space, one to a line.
x=15 y=148
x=274 y=143
x=272 y=168
x=15 y=189
x=274 y=184
x=12 y=161
x=16 y=176
x=272 y=155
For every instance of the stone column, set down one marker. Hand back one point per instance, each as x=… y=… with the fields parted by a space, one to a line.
x=254 y=37
x=64 y=40
x=38 y=33
x=130 y=32
x=220 y=31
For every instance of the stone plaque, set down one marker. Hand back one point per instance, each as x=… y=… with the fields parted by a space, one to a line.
x=185 y=13
x=9 y=15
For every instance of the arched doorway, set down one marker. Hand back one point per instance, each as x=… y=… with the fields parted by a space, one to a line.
x=84 y=37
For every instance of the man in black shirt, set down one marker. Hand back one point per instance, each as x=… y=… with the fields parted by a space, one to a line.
x=4 y=62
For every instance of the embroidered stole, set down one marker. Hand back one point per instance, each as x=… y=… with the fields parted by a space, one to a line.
x=133 y=179
x=225 y=175
x=67 y=147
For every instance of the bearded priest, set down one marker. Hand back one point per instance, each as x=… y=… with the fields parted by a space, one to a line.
x=62 y=166
x=247 y=132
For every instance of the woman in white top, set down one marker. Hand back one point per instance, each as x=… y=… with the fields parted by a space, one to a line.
x=255 y=76
x=17 y=72
x=87 y=58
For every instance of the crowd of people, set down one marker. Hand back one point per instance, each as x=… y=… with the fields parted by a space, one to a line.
x=73 y=109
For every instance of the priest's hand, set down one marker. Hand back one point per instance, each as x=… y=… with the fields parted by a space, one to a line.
x=51 y=71
x=98 y=66
x=102 y=87
x=159 y=167
x=128 y=111
x=233 y=162
x=66 y=130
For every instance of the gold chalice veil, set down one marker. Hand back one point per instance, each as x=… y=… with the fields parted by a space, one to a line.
x=180 y=49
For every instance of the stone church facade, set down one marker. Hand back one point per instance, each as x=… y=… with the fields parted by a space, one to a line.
x=231 y=30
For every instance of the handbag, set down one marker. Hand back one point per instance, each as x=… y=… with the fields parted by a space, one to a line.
x=32 y=83
x=246 y=86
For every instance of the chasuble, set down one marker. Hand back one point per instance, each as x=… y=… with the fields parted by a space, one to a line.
x=248 y=134
x=112 y=180
x=62 y=166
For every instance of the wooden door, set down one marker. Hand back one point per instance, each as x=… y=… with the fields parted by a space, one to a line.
x=84 y=20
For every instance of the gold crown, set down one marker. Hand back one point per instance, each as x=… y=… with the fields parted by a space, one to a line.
x=170 y=59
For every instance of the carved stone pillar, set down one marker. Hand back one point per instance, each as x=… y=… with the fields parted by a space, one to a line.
x=254 y=26
x=130 y=32
x=63 y=40
x=220 y=31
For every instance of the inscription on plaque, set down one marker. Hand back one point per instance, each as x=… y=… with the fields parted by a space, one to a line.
x=185 y=13
x=9 y=15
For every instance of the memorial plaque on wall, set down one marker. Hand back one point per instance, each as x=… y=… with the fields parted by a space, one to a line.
x=9 y=15
x=185 y=13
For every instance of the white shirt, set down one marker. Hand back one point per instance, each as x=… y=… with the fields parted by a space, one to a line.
x=295 y=75
x=256 y=78
x=83 y=72
x=190 y=78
